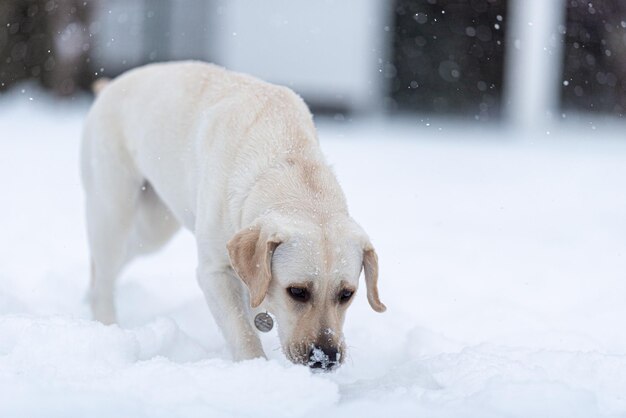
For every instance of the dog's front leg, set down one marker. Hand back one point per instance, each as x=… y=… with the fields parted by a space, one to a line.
x=229 y=305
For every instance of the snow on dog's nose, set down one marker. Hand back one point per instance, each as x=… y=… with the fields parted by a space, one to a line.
x=323 y=359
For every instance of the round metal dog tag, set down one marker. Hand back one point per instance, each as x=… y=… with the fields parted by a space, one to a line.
x=263 y=322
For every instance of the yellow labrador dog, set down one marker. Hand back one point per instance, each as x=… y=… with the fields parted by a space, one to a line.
x=237 y=162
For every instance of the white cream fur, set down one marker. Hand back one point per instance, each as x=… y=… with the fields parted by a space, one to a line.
x=222 y=154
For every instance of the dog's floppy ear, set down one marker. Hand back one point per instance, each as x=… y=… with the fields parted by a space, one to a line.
x=250 y=252
x=370 y=269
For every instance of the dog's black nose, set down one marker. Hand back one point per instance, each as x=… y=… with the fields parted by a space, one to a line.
x=324 y=358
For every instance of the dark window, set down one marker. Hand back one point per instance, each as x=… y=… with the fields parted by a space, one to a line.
x=448 y=57
x=595 y=56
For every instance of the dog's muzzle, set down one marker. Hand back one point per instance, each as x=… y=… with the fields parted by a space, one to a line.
x=323 y=358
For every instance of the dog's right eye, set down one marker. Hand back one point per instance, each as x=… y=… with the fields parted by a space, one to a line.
x=300 y=294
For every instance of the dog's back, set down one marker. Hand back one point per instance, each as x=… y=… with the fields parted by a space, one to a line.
x=182 y=126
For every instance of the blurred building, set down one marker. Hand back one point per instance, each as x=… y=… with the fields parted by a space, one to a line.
x=526 y=60
x=329 y=51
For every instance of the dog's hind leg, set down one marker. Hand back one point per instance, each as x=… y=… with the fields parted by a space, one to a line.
x=112 y=192
x=109 y=230
x=125 y=218
x=138 y=224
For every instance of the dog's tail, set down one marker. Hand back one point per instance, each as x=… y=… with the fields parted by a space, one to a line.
x=99 y=85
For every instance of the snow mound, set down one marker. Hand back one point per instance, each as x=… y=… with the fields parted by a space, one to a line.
x=75 y=367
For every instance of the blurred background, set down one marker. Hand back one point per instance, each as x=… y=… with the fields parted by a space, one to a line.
x=527 y=62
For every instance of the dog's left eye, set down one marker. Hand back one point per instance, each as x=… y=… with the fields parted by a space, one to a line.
x=345 y=295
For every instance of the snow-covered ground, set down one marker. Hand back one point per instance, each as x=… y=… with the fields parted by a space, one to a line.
x=503 y=267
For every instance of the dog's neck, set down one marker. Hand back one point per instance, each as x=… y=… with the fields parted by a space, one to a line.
x=307 y=189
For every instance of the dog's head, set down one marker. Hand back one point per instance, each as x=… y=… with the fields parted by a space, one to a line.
x=307 y=278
